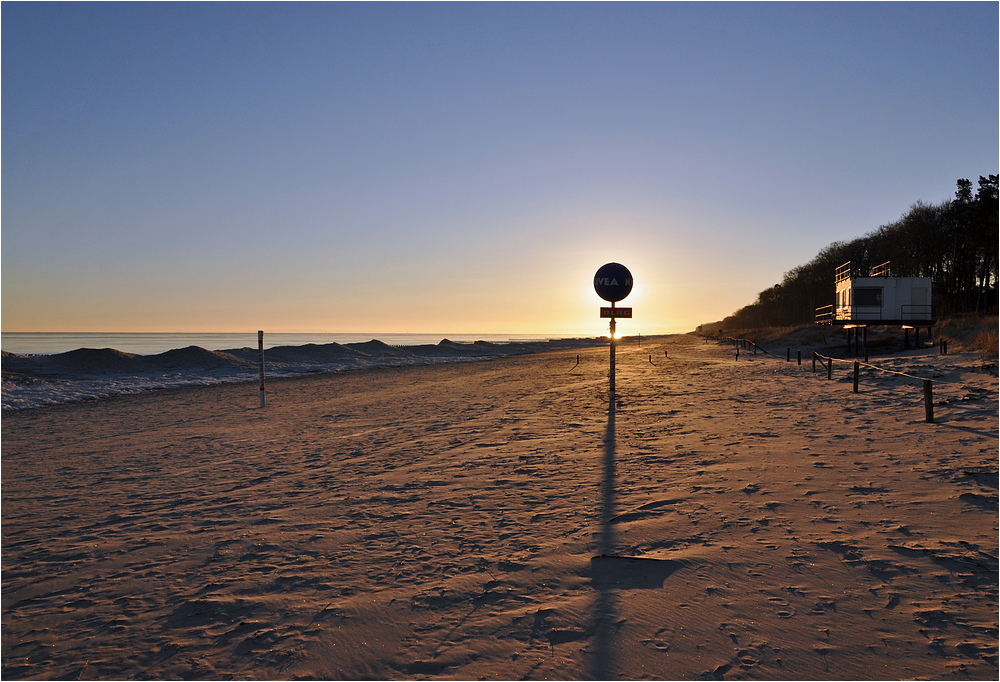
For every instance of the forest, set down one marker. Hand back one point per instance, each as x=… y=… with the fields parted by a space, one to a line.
x=954 y=243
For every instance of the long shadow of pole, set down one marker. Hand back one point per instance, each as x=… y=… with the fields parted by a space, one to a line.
x=603 y=664
x=606 y=542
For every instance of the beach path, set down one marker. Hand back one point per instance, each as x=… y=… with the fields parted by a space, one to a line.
x=718 y=519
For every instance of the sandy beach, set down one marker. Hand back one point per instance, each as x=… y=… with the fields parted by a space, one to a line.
x=719 y=519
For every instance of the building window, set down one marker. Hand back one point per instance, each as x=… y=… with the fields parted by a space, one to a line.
x=868 y=296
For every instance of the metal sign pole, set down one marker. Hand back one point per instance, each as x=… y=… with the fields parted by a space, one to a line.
x=613 y=282
x=612 y=373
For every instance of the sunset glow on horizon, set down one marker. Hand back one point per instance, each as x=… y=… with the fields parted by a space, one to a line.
x=464 y=168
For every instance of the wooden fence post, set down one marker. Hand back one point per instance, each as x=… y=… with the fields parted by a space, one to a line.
x=857 y=368
x=928 y=401
x=800 y=360
x=260 y=346
x=814 y=362
x=829 y=369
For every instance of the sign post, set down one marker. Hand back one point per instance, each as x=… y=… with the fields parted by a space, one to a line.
x=611 y=373
x=613 y=282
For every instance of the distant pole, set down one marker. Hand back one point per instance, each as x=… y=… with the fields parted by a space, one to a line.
x=928 y=401
x=857 y=369
x=260 y=348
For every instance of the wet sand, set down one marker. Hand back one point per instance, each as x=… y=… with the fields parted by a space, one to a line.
x=505 y=520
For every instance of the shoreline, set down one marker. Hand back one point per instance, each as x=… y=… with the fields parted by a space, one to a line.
x=151 y=343
x=86 y=373
x=505 y=520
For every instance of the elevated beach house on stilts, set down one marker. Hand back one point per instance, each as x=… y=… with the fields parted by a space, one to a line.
x=878 y=298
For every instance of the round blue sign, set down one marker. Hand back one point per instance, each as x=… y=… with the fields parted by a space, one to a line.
x=613 y=282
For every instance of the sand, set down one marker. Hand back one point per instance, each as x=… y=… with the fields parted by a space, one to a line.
x=503 y=520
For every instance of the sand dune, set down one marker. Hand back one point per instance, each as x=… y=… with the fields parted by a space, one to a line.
x=504 y=520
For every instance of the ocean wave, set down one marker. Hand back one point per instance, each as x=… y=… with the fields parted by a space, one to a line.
x=94 y=373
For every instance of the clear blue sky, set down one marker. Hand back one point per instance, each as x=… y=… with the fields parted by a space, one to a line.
x=464 y=167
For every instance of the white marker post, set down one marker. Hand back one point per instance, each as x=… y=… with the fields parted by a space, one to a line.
x=260 y=348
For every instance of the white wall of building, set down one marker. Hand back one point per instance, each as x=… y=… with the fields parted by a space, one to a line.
x=884 y=298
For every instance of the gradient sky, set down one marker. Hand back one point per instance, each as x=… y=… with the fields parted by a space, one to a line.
x=464 y=167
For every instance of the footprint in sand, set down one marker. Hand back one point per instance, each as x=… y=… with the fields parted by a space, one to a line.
x=785 y=609
x=704 y=571
x=764 y=542
x=747 y=658
x=661 y=641
x=824 y=605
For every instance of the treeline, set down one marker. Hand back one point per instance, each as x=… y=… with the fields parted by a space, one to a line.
x=954 y=243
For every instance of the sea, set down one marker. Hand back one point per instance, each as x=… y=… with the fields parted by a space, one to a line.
x=148 y=343
x=41 y=369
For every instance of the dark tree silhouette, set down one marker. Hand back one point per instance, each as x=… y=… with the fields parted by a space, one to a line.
x=954 y=243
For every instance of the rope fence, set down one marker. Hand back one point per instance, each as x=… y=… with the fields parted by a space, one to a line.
x=826 y=362
x=745 y=344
